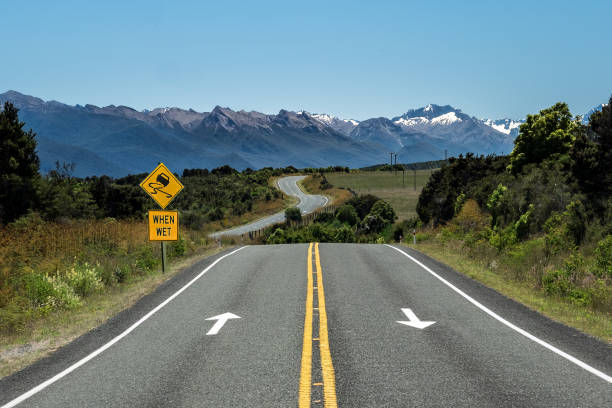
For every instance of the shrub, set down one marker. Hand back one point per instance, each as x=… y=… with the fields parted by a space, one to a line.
x=215 y=214
x=324 y=218
x=371 y=224
x=84 y=279
x=347 y=214
x=145 y=260
x=398 y=233
x=277 y=237
x=603 y=258
x=384 y=210
x=495 y=203
x=320 y=233
x=293 y=214
x=38 y=288
x=521 y=227
x=344 y=234
x=177 y=248
x=459 y=203
x=470 y=217
x=363 y=204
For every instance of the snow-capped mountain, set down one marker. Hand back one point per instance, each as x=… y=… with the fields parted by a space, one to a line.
x=425 y=133
x=117 y=140
x=344 y=126
x=507 y=126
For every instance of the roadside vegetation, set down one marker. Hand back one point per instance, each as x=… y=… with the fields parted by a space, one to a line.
x=69 y=244
x=397 y=187
x=540 y=217
x=364 y=219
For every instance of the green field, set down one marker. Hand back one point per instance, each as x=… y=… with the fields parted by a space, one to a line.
x=399 y=190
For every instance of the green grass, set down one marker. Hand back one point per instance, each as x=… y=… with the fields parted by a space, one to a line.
x=594 y=322
x=393 y=187
x=58 y=328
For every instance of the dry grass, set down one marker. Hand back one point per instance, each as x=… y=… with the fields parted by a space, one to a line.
x=260 y=209
x=19 y=349
x=312 y=185
x=594 y=322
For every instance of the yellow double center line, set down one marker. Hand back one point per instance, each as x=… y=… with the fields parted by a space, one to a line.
x=327 y=368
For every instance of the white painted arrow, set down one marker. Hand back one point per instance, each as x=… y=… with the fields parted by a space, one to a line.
x=221 y=320
x=413 y=320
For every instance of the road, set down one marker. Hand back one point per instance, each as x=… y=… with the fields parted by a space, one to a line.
x=321 y=325
x=288 y=185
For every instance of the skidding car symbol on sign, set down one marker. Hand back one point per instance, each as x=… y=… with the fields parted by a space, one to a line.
x=161 y=185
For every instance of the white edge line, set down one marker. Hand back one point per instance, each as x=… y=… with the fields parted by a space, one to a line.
x=494 y=315
x=84 y=360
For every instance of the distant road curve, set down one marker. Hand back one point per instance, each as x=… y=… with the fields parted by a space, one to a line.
x=288 y=185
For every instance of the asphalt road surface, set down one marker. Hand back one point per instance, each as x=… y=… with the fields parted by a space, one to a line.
x=321 y=325
x=288 y=185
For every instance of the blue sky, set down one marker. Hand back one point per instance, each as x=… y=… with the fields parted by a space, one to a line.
x=489 y=58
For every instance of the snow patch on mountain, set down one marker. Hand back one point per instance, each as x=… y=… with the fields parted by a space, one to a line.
x=412 y=122
x=344 y=126
x=505 y=126
x=329 y=119
x=446 y=119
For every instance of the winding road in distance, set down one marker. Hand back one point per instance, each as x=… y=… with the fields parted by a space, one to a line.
x=288 y=185
x=321 y=325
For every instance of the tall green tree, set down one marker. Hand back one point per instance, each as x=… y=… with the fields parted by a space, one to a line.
x=592 y=155
x=542 y=135
x=19 y=165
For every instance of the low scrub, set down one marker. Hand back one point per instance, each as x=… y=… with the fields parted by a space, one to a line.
x=47 y=266
x=345 y=225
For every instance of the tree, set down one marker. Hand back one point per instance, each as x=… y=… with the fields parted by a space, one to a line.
x=293 y=214
x=384 y=210
x=592 y=155
x=601 y=123
x=19 y=165
x=347 y=214
x=542 y=135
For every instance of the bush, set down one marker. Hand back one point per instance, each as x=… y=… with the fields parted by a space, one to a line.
x=177 y=248
x=47 y=293
x=470 y=217
x=320 y=233
x=371 y=224
x=324 y=218
x=344 y=234
x=216 y=214
x=384 y=210
x=347 y=214
x=277 y=237
x=363 y=204
x=603 y=258
x=145 y=260
x=38 y=288
x=84 y=279
x=398 y=233
x=293 y=214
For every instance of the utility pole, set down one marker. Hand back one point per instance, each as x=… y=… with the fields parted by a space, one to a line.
x=445 y=155
x=391 y=158
x=394 y=169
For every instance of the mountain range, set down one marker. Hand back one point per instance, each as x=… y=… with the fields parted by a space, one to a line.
x=119 y=140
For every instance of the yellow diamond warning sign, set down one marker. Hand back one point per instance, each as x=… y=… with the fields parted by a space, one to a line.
x=162 y=185
x=163 y=226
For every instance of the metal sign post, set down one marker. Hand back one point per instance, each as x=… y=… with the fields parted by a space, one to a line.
x=162 y=186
